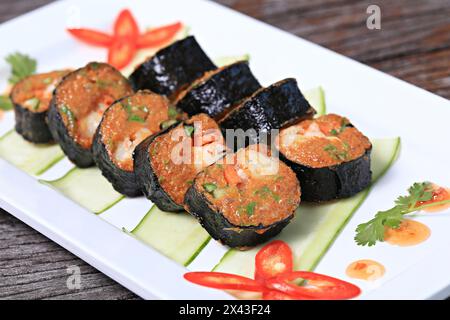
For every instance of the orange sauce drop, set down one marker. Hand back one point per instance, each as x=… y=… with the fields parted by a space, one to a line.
x=439 y=194
x=365 y=269
x=409 y=233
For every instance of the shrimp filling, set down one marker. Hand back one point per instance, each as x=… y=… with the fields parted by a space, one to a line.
x=35 y=92
x=177 y=156
x=250 y=188
x=129 y=121
x=325 y=141
x=84 y=96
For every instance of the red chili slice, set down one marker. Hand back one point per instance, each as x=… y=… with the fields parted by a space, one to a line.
x=318 y=286
x=158 y=36
x=95 y=38
x=224 y=281
x=126 y=26
x=121 y=52
x=272 y=260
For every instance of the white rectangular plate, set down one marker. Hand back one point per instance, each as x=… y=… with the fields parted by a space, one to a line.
x=380 y=105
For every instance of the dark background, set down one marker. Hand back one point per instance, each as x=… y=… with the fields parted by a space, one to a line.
x=413 y=44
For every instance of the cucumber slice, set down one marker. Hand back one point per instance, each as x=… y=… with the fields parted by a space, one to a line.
x=88 y=188
x=315 y=227
x=32 y=158
x=226 y=60
x=316 y=98
x=176 y=235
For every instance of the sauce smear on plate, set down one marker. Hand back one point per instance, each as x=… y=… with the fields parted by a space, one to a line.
x=409 y=233
x=439 y=194
x=365 y=269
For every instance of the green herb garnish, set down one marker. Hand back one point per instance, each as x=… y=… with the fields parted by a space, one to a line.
x=370 y=232
x=266 y=191
x=335 y=153
x=189 y=182
x=5 y=103
x=155 y=150
x=136 y=118
x=250 y=208
x=127 y=107
x=33 y=103
x=47 y=80
x=70 y=115
x=167 y=123
x=130 y=110
x=219 y=192
x=341 y=129
x=209 y=187
x=172 y=112
x=22 y=66
x=94 y=65
x=102 y=83
x=110 y=144
x=344 y=124
x=189 y=130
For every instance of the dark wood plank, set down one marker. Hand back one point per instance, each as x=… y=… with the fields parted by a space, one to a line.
x=413 y=44
x=34 y=267
x=413 y=33
x=11 y=9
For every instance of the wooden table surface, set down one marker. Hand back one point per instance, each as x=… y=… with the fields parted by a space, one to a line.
x=413 y=44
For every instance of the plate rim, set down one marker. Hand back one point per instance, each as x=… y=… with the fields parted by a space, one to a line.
x=436 y=288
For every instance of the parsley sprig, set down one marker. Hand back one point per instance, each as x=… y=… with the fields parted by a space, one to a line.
x=21 y=66
x=370 y=232
x=5 y=103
